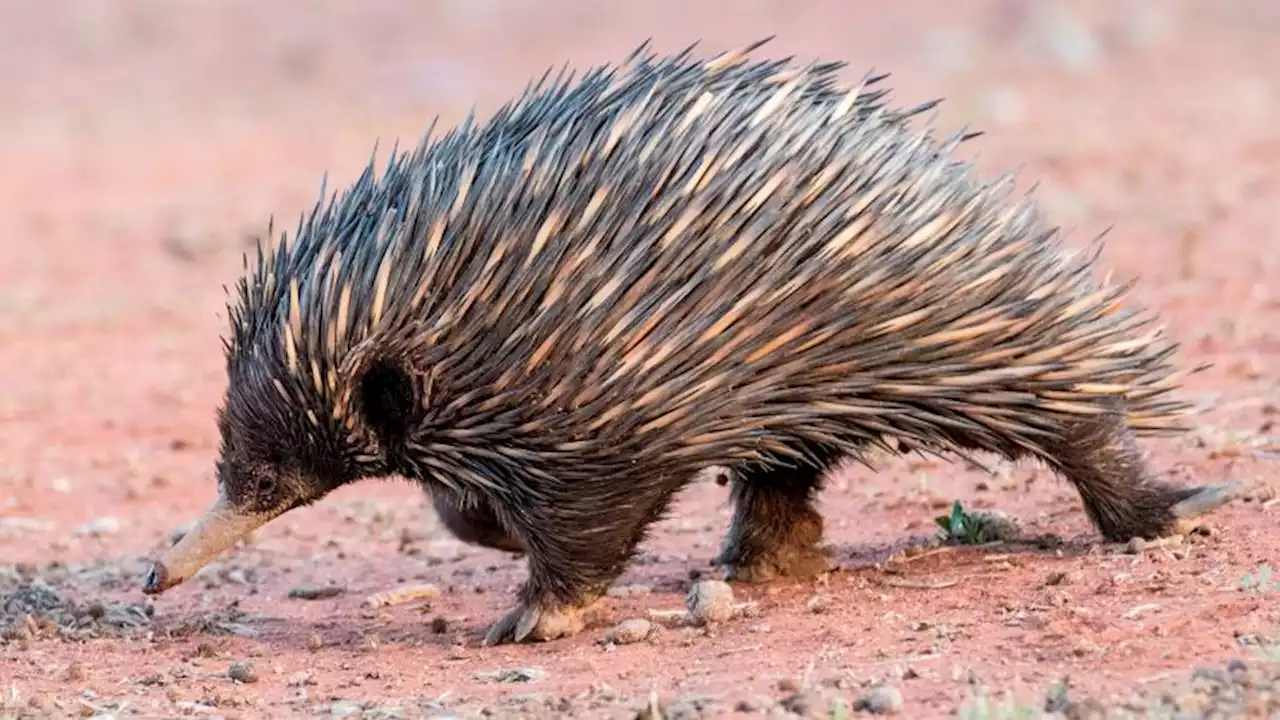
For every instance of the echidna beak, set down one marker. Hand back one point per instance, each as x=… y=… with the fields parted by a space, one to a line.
x=221 y=527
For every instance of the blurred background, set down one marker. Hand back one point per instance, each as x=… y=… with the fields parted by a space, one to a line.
x=144 y=144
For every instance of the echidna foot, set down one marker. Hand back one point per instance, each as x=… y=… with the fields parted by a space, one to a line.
x=532 y=622
x=1123 y=497
x=1160 y=510
x=776 y=531
x=801 y=563
x=759 y=549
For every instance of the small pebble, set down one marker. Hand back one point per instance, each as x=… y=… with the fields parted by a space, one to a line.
x=101 y=526
x=804 y=704
x=629 y=590
x=630 y=631
x=1136 y=546
x=1056 y=578
x=13 y=526
x=345 y=708
x=457 y=652
x=314 y=592
x=513 y=675
x=884 y=700
x=1087 y=709
x=1204 y=531
x=75 y=672
x=1192 y=703
x=315 y=642
x=818 y=604
x=710 y=601
x=242 y=672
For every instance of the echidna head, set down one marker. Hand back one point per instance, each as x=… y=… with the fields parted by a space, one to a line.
x=284 y=446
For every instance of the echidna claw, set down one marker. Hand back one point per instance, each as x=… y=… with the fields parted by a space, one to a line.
x=534 y=623
x=506 y=629
x=1207 y=499
x=527 y=622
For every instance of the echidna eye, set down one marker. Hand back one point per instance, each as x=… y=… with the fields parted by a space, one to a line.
x=267 y=490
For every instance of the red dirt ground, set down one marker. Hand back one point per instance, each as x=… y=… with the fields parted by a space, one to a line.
x=143 y=145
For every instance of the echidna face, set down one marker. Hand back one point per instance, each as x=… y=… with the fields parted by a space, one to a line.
x=271 y=462
x=256 y=476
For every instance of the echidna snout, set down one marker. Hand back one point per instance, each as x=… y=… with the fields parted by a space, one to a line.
x=221 y=527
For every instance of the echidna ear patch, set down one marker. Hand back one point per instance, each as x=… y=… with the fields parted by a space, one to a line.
x=387 y=400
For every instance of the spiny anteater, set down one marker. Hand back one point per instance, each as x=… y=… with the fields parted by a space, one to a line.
x=554 y=320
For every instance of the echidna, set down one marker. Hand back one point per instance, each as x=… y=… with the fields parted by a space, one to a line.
x=555 y=319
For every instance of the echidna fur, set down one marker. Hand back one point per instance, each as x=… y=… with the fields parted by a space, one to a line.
x=556 y=318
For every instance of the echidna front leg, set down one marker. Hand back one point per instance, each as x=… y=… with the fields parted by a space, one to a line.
x=1101 y=457
x=776 y=531
x=574 y=553
x=473 y=521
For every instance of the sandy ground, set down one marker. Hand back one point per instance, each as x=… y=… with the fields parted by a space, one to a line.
x=144 y=144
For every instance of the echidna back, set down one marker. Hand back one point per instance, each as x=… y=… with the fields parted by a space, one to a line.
x=703 y=262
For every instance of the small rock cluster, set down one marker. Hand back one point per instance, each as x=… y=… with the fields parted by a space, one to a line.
x=32 y=608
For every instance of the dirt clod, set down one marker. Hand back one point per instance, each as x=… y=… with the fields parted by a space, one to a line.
x=242 y=671
x=314 y=592
x=228 y=620
x=629 y=590
x=710 y=601
x=998 y=526
x=101 y=526
x=818 y=604
x=629 y=631
x=401 y=595
x=805 y=704
x=1057 y=577
x=883 y=700
x=512 y=675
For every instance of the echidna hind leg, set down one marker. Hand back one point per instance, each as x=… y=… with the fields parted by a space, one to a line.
x=776 y=531
x=473 y=522
x=1101 y=457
